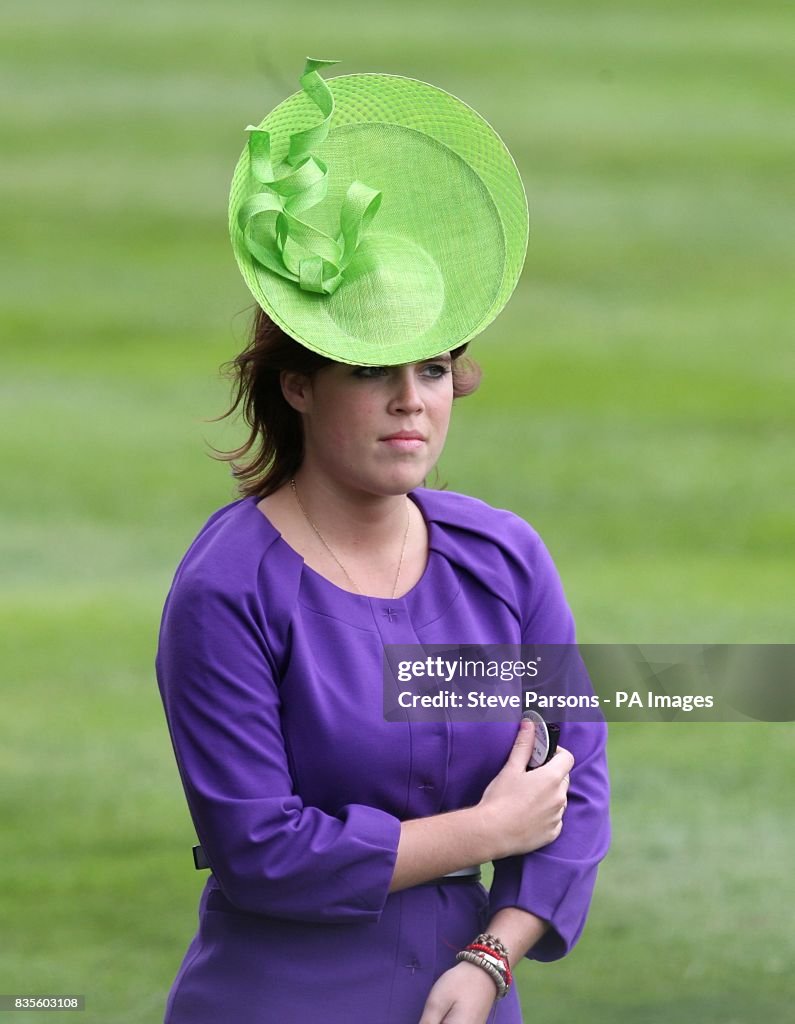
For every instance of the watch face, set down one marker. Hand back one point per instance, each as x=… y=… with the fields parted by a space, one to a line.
x=541 y=741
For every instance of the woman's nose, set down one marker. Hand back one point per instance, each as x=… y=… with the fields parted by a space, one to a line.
x=406 y=397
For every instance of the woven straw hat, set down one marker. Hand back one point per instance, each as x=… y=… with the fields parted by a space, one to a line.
x=377 y=219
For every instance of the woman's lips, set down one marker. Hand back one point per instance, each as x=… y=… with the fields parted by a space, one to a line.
x=405 y=444
x=405 y=441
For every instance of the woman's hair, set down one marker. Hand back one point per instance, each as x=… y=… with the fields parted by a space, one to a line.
x=274 y=448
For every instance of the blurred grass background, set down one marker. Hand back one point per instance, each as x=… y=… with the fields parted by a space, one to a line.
x=637 y=407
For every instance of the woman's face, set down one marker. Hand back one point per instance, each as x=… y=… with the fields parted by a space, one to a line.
x=378 y=429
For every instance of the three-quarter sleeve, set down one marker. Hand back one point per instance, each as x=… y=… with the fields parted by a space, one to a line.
x=269 y=852
x=556 y=882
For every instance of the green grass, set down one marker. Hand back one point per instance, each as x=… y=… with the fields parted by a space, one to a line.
x=637 y=407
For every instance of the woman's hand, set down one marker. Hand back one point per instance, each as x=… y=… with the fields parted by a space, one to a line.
x=518 y=812
x=525 y=809
x=463 y=995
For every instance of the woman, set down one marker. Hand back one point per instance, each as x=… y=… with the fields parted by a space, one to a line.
x=344 y=848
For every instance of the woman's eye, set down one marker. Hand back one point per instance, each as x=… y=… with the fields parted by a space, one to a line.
x=435 y=370
x=368 y=372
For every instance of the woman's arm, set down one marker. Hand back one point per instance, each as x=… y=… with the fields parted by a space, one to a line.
x=520 y=811
x=269 y=852
x=556 y=882
x=465 y=994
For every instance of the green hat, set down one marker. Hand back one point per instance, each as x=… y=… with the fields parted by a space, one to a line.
x=377 y=219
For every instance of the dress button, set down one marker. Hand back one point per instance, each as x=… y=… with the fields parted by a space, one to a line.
x=413 y=965
x=426 y=785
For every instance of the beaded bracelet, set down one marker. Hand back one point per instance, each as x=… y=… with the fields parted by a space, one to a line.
x=491 y=955
x=499 y=961
x=487 y=939
x=491 y=944
x=490 y=969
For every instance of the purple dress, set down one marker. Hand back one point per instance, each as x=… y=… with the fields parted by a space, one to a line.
x=271 y=679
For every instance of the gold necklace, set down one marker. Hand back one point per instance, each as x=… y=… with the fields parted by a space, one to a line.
x=328 y=548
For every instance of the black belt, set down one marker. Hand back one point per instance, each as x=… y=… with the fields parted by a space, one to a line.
x=452 y=880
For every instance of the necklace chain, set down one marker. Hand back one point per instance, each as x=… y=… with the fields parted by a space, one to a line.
x=328 y=547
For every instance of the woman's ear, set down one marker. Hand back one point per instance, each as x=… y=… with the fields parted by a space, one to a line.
x=296 y=388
